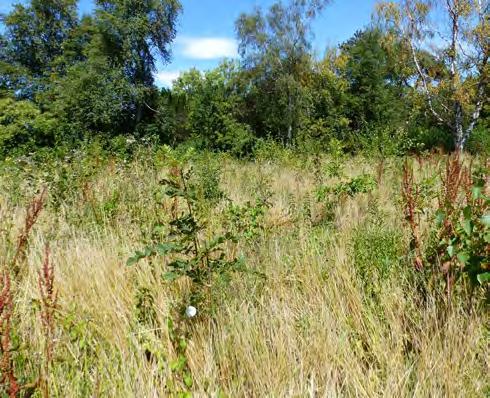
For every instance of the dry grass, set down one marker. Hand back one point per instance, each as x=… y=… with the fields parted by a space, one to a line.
x=308 y=329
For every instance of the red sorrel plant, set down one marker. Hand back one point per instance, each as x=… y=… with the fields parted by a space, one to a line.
x=8 y=380
x=49 y=300
x=462 y=225
x=410 y=194
x=33 y=211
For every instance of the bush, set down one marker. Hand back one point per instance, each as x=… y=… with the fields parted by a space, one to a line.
x=430 y=137
x=206 y=179
x=23 y=127
x=237 y=138
x=376 y=252
x=272 y=151
x=479 y=141
x=94 y=97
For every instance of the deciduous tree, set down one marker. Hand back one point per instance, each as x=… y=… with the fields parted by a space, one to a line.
x=456 y=34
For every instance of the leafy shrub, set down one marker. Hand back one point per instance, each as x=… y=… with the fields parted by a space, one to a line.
x=462 y=226
x=479 y=141
x=272 y=151
x=376 y=252
x=95 y=97
x=430 y=137
x=23 y=127
x=364 y=183
x=334 y=167
x=236 y=138
x=247 y=220
x=206 y=179
x=186 y=252
x=459 y=243
x=384 y=141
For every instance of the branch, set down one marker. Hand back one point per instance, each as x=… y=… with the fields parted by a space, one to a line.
x=481 y=99
x=482 y=83
x=420 y=71
x=150 y=108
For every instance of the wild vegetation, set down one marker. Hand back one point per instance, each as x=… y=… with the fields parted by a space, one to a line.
x=282 y=225
x=371 y=282
x=415 y=79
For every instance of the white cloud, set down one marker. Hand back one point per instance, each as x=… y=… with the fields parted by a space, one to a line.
x=208 y=47
x=166 y=77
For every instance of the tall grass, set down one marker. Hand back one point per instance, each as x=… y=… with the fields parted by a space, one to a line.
x=330 y=306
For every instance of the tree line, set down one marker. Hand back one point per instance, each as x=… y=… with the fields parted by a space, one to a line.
x=415 y=78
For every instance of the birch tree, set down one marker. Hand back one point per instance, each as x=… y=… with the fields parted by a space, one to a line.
x=455 y=35
x=275 y=49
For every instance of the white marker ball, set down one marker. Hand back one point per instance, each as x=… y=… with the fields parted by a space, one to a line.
x=190 y=311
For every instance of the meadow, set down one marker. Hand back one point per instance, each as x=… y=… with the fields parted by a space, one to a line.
x=305 y=271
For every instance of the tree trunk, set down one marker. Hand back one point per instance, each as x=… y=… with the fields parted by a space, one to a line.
x=459 y=136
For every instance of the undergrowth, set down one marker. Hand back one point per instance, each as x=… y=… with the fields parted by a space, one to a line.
x=178 y=273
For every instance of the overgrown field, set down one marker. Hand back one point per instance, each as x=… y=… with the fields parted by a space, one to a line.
x=318 y=276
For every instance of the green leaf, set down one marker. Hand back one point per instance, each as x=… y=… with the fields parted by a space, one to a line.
x=467 y=226
x=187 y=379
x=485 y=219
x=483 y=278
x=450 y=250
x=148 y=251
x=170 y=276
x=216 y=242
x=180 y=264
x=477 y=191
x=132 y=261
x=179 y=364
x=467 y=213
x=463 y=257
x=169 y=247
x=440 y=217
x=170 y=325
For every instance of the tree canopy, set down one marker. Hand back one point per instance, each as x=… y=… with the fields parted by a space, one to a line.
x=415 y=78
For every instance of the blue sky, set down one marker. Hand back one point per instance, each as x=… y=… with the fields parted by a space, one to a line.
x=206 y=29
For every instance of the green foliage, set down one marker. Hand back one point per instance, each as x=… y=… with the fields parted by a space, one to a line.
x=464 y=236
x=23 y=127
x=457 y=252
x=213 y=107
x=248 y=220
x=275 y=51
x=364 y=183
x=94 y=97
x=376 y=253
x=376 y=88
x=326 y=118
x=35 y=34
x=93 y=76
x=206 y=179
x=179 y=366
x=334 y=167
x=185 y=251
x=479 y=142
x=271 y=151
x=131 y=30
x=333 y=195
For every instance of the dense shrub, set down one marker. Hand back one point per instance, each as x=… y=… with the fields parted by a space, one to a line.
x=23 y=127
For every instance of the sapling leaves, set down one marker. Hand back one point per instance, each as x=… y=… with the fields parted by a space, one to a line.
x=484 y=278
x=185 y=250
